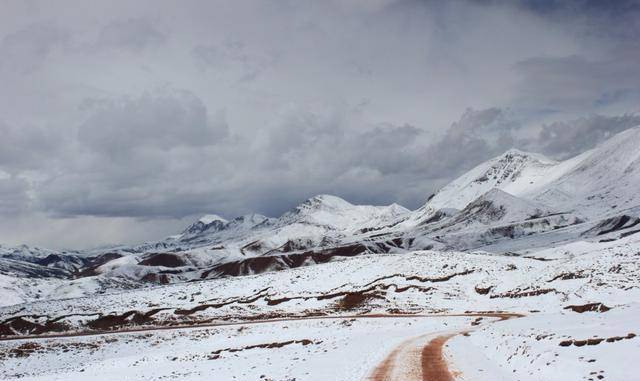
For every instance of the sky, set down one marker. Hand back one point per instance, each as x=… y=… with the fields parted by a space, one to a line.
x=122 y=121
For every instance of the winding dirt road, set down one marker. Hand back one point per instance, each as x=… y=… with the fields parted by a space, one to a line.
x=421 y=358
x=245 y=322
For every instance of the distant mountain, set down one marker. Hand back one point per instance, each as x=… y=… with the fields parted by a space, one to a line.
x=601 y=181
x=598 y=181
x=336 y=214
x=515 y=172
x=209 y=222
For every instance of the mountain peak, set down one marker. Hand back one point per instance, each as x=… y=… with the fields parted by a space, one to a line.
x=518 y=154
x=330 y=199
x=515 y=151
x=249 y=221
x=324 y=201
x=395 y=208
x=207 y=222
x=514 y=171
x=209 y=218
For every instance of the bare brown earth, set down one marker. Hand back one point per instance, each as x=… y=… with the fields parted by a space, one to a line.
x=410 y=362
x=434 y=365
x=595 y=307
x=216 y=354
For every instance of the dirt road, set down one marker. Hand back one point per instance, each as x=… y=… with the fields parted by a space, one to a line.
x=421 y=358
x=241 y=323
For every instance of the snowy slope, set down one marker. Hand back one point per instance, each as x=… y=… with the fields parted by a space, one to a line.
x=604 y=181
x=516 y=172
x=499 y=206
x=592 y=183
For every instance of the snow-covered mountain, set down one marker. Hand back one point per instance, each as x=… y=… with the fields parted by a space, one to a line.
x=515 y=172
x=601 y=181
x=208 y=222
x=511 y=203
x=337 y=214
x=598 y=181
x=213 y=246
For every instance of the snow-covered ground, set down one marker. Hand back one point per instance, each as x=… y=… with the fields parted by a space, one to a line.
x=327 y=349
x=552 y=346
x=541 y=287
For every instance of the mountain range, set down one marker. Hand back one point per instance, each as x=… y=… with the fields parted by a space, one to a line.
x=510 y=204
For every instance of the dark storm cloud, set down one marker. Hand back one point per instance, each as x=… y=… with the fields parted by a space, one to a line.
x=130 y=168
x=14 y=196
x=478 y=135
x=138 y=157
x=129 y=114
x=589 y=8
x=576 y=83
x=136 y=164
x=568 y=138
x=131 y=34
x=27 y=147
x=164 y=121
x=602 y=75
x=232 y=55
x=26 y=50
x=367 y=165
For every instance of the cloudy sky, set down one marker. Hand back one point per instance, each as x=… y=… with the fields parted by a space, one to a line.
x=122 y=120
